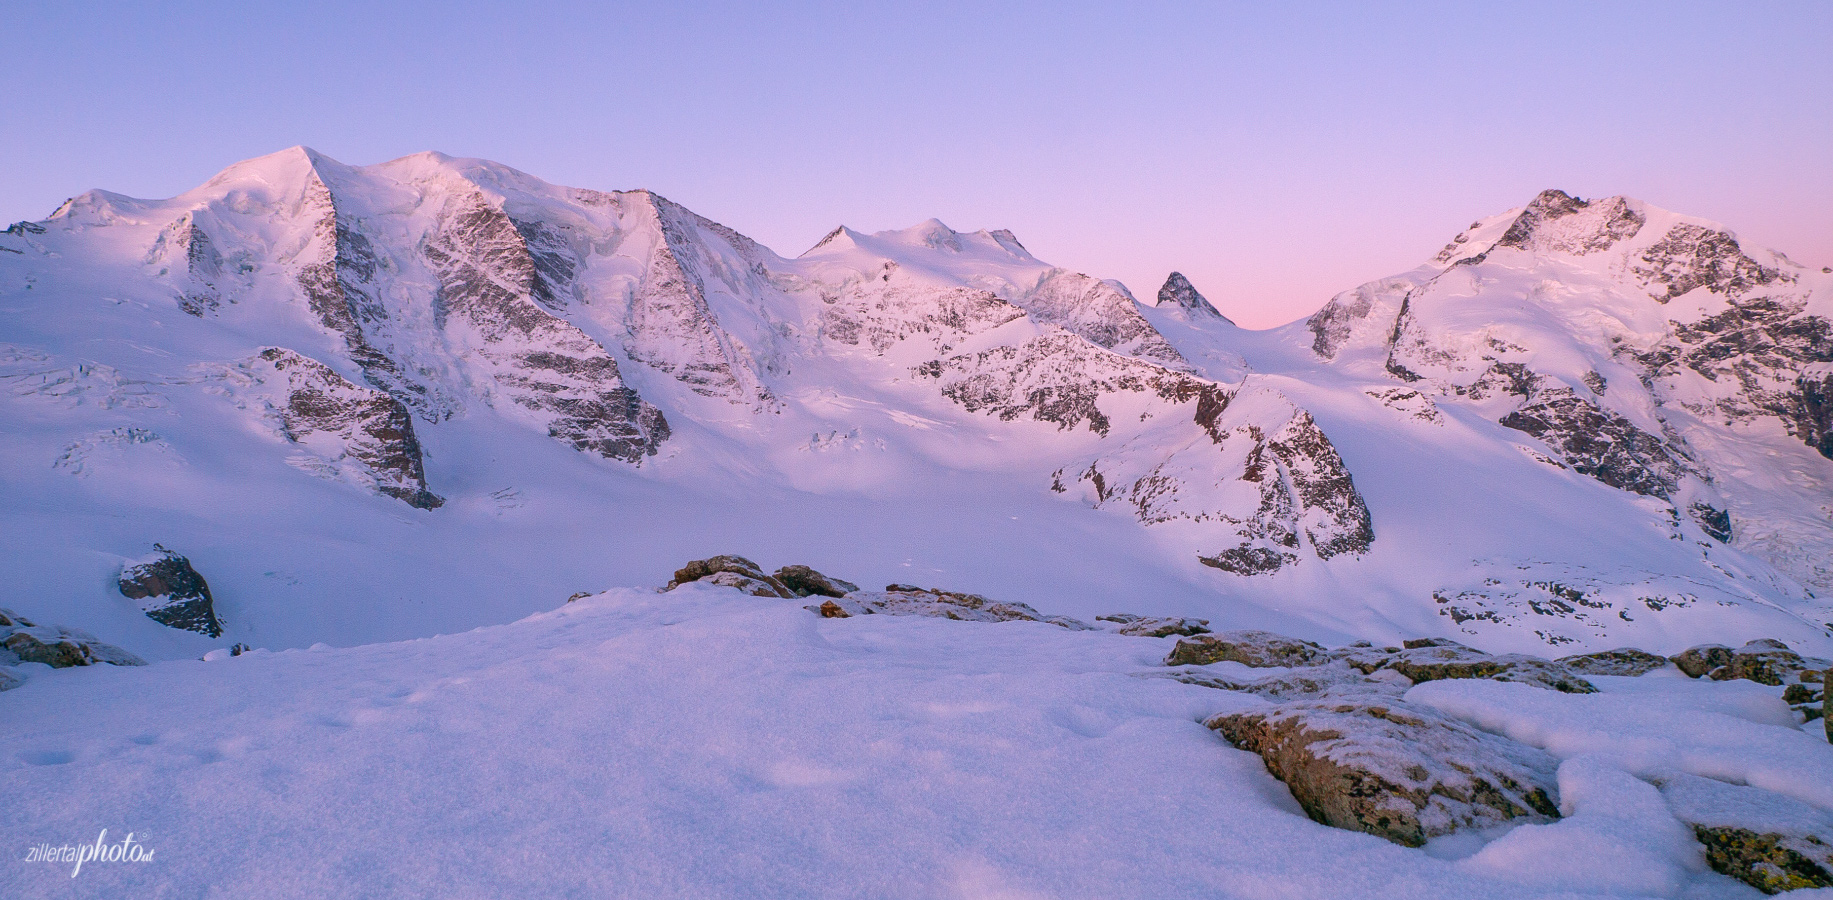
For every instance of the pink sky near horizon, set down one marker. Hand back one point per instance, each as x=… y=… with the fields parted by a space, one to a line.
x=1275 y=156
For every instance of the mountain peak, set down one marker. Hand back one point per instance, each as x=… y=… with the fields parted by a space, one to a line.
x=1180 y=293
x=1558 y=222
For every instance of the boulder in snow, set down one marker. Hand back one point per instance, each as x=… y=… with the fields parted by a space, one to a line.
x=171 y=592
x=1763 y=661
x=1626 y=661
x=1396 y=771
x=54 y=646
x=1251 y=648
x=731 y=571
x=806 y=582
x=1156 y=626
x=1697 y=661
x=1766 y=840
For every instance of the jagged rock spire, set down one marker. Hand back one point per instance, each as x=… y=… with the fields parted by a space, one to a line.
x=1178 y=290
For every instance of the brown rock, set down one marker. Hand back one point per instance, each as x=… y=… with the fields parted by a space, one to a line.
x=1697 y=661
x=1251 y=648
x=732 y=565
x=1627 y=661
x=806 y=582
x=1400 y=772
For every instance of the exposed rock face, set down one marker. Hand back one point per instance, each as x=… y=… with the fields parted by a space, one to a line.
x=806 y=582
x=342 y=278
x=731 y=571
x=909 y=600
x=670 y=324
x=543 y=363
x=1604 y=446
x=1400 y=772
x=1251 y=648
x=365 y=433
x=1155 y=626
x=1761 y=356
x=1056 y=378
x=1768 y=841
x=1625 y=662
x=171 y=592
x=190 y=262
x=55 y=646
x=1690 y=257
x=1559 y=222
x=1177 y=292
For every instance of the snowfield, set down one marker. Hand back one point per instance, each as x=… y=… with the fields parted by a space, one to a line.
x=703 y=743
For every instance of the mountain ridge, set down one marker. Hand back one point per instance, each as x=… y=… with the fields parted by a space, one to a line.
x=1283 y=472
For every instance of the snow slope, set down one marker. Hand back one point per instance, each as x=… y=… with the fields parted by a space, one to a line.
x=601 y=386
x=703 y=743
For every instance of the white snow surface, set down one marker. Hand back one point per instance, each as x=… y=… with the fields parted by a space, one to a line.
x=703 y=743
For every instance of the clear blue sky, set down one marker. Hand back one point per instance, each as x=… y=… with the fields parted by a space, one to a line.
x=1275 y=153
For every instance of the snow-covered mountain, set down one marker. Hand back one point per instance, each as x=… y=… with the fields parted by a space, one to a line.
x=388 y=401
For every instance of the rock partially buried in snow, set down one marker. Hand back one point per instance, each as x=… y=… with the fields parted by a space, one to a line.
x=1393 y=770
x=731 y=571
x=53 y=646
x=171 y=592
x=1768 y=841
x=1625 y=662
x=1156 y=626
x=909 y=600
x=1433 y=659
x=1697 y=661
x=806 y=582
x=1763 y=661
x=1332 y=681
x=1251 y=648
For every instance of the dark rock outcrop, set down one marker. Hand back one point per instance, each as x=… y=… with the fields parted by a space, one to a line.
x=731 y=571
x=1697 y=661
x=1600 y=444
x=806 y=582
x=171 y=592
x=1393 y=770
x=1627 y=662
x=1250 y=648
x=366 y=426
x=1559 y=222
x=1179 y=293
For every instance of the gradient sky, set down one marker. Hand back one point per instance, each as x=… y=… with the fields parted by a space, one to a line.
x=1275 y=153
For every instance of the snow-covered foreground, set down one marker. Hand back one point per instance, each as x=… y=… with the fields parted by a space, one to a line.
x=702 y=743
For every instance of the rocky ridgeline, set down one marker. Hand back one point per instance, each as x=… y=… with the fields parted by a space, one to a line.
x=22 y=641
x=1355 y=754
